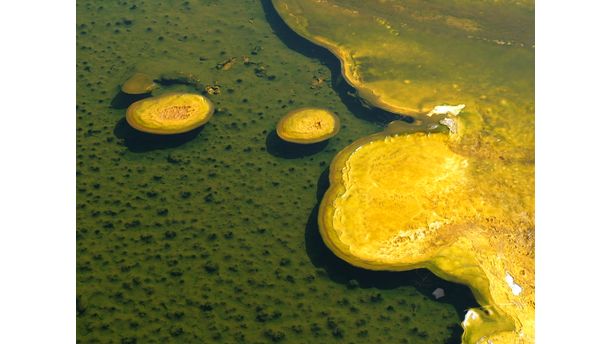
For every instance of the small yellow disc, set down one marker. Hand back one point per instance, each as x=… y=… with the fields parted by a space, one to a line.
x=308 y=125
x=170 y=113
x=139 y=83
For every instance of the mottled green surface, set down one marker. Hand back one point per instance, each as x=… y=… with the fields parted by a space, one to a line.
x=211 y=236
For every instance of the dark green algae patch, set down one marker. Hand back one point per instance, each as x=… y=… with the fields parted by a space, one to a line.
x=210 y=236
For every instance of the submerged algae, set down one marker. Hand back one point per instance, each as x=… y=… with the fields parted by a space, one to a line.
x=139 y=83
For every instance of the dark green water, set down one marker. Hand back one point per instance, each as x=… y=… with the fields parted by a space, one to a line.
x=211 y=236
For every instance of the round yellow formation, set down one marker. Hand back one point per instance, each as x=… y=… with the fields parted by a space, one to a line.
x=139 y=83
x=406 y=201
x=387 y=196
x=308 y=125
x=170 y=113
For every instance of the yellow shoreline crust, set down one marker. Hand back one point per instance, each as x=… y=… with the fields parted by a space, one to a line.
x=399 y=58
x=170 y=113
x=406 y=201
x=308 y=125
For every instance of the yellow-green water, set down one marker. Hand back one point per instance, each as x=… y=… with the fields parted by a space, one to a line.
x=211 y=236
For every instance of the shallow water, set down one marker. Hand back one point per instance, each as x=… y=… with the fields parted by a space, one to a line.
x=211 y=236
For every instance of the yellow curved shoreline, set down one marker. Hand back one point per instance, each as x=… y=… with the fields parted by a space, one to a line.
x=347 y=70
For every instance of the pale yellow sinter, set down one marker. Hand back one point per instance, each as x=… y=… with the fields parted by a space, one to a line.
x=407 y=201
x=407 y=56
x=139 y=83
x=170 y=113
x=308 y=125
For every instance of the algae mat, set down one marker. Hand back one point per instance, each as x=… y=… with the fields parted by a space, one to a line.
x=462 y=204
x=211 y=236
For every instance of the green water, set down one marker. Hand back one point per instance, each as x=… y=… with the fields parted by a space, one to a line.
x=211 y=236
